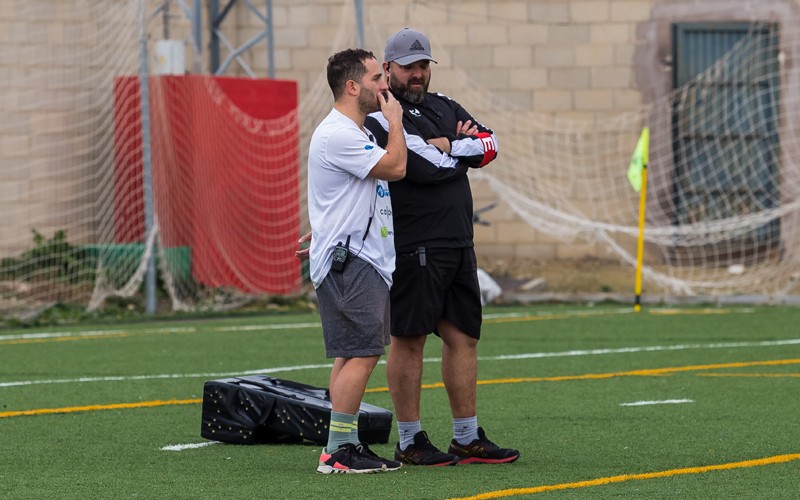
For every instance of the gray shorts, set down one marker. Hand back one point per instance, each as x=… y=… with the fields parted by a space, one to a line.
x=354 y=308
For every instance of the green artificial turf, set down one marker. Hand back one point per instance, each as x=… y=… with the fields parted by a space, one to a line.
x=553 y=384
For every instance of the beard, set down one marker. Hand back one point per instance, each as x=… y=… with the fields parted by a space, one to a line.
x=414 y=96
x=367 y=102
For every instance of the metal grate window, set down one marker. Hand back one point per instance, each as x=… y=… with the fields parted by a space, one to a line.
x=725 y=129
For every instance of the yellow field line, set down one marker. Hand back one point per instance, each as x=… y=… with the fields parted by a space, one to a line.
x=62 y=339
x=532 y=317
x=778 y=459
x=118 y=406
x=653 y=372
x=675 y=312
x=757 y=375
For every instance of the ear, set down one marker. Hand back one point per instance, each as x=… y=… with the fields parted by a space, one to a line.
x=351 y=87
x=386 y=68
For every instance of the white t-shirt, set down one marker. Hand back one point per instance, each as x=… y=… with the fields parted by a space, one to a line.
x=341 y=198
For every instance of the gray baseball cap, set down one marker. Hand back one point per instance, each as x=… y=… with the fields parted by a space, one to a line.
x=407 y=46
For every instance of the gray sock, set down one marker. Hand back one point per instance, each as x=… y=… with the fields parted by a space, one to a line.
x=407 y=431
x=465 y=430
x=339 y=430
x=354 y=431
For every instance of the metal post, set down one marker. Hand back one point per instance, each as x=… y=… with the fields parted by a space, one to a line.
x=360 y=22
x=197 y=28
x=165 y=19
x=270 y=42
x=213 y=47
x=144 y=93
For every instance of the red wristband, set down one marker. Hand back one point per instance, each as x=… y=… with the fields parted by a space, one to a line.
x=489 y=147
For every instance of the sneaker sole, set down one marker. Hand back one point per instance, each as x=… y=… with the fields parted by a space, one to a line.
x=478 y=460
x=440 y=464
x=327 y=469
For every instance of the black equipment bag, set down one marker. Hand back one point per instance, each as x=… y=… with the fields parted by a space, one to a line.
x=258 y=409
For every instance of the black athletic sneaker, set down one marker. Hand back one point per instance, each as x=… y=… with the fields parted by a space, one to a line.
x=422 y=452
x=482 y=451
x=390 y=464
x=347 y=460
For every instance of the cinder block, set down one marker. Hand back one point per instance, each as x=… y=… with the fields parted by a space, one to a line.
x=616 y=77
x=536 y=251
x=309 y=15
x=472 y=57
x=631 y=10
x=627 y=99
x=531 y=34
x=569 y=35
x=434 y=13
x=548 y=12
x=610 y=33
x=528 y=78
x=509 y=10
x=589 y=11
x=515 y=232
x=569 y=78
x=512 y=56
x=494 y=251
x=553 y=56
x=594 y=55
x=594 y=100
x=297 y=38
x=575 y=251
x=310 y=58
x=552 y=100
x=450 y=35
x=466 y=12
x=487 y=34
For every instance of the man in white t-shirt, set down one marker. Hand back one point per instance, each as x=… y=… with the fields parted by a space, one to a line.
x=352 y=253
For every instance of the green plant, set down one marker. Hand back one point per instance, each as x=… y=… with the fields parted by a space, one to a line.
x=53 y=258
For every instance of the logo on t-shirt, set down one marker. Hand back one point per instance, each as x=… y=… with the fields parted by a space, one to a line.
x=415 y=112
x=368 y=146
x=382 y=192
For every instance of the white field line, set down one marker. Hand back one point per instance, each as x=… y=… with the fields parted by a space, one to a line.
x=661 y=402
x=191 y=329
x=291 y=326
x=165 y=376
x=93 y=333
x=191 y=446
x=503 y=357
x=239 y=328
x=625 y=350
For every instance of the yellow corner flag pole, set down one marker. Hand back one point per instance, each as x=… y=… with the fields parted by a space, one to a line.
x=637 y=176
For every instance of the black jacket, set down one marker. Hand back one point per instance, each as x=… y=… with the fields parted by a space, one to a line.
x=432 y=205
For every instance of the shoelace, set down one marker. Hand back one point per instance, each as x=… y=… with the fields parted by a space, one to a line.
x=363 y=448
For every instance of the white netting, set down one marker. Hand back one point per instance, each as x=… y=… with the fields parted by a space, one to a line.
x=723 y=186
x=723 y=208
x=224 y=163
x=723 y=190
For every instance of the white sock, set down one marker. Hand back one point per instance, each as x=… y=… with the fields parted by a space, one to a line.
x=407 y=431
x=465 y=430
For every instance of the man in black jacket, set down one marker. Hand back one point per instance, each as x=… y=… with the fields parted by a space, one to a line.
x=435 y=286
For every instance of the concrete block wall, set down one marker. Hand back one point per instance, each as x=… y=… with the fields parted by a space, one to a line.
x=567 y=58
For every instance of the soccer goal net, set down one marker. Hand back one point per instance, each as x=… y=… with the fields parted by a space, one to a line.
x=723 y=189
x=212 y=186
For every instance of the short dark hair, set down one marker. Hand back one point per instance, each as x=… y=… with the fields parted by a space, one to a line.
x=346 y=65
